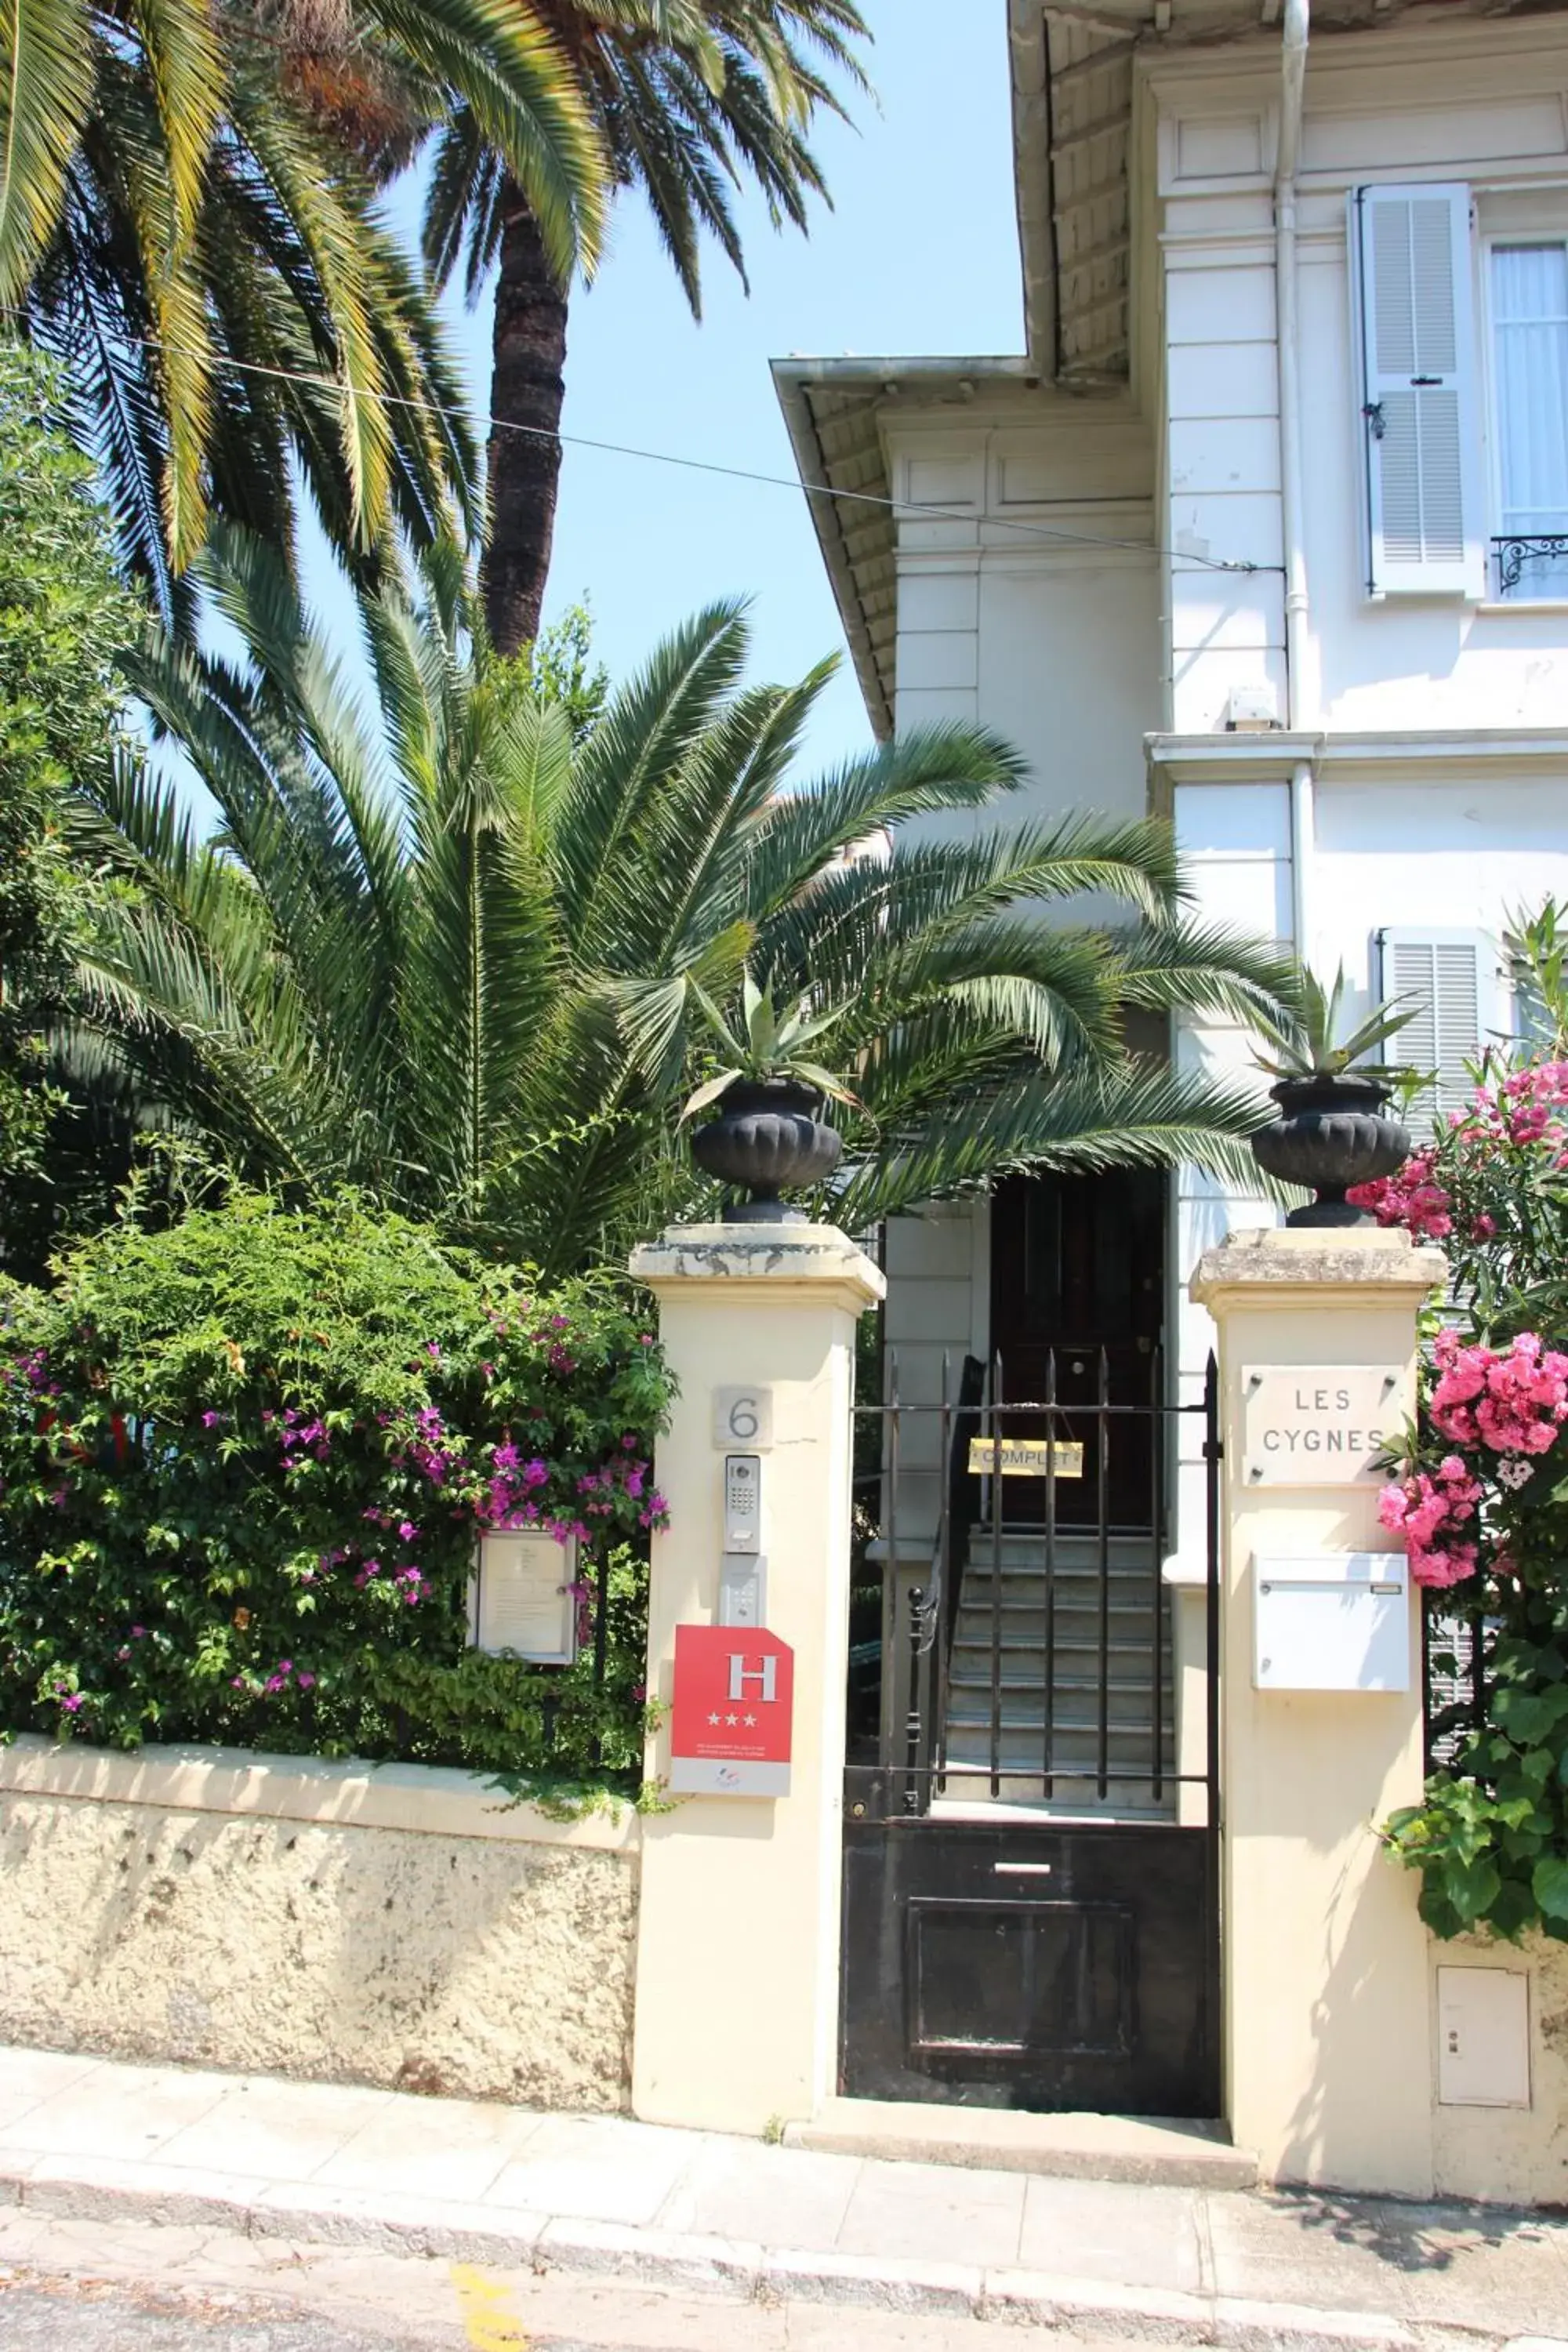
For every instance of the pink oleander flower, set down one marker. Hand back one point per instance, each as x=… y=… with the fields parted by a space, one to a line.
x=1411 y=1198
x=1513 y=1400
x=1427 y=1510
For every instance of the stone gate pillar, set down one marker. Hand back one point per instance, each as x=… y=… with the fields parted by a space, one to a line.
x=737 y=1976
x=1327 y=2033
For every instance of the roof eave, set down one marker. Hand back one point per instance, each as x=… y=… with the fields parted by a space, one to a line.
x=878 y=379
x=1030 y=61
x=790 y=380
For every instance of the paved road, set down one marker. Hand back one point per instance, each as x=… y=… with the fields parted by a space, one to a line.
x=81 y=2286
x=47 y=2319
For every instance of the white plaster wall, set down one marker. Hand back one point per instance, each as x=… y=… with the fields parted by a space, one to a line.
x=1236 y=840
x=1463 y=852
x=1031 y=604
x=937 y=1312
x=1067 y=671
x=1484 y=108
x=1227 y=625
x=217 y=1909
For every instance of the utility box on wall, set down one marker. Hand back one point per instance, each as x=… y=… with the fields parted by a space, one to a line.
x=1331 y=1621
x=1483 y=2038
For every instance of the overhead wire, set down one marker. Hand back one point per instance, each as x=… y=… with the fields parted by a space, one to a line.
x=902 y=507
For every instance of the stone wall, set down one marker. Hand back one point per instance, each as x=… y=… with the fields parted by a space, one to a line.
x=1512 y=2156
x=393 y=1924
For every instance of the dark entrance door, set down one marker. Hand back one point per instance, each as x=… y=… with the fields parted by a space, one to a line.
x=1015 y=1965
x=1078 y=1268
x=1030 y=1875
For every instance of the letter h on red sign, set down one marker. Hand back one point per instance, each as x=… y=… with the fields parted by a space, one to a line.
x=765 y=1672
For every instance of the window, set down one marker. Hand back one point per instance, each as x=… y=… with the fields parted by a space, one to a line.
x=1423 y=510
x=1528 y=286
x=1453 y=979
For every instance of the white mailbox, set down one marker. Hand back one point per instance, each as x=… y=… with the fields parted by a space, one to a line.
x=1331 y=1621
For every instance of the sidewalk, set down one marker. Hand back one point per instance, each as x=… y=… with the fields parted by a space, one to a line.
x=92 y=2139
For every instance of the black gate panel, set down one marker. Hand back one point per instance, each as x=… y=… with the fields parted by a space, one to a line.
x=1013 y=1965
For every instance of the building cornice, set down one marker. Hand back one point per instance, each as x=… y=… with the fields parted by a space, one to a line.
x=1269 y=758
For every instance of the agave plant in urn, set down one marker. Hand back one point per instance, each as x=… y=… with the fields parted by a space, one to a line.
x=769 y=1137
x=1332 y=1130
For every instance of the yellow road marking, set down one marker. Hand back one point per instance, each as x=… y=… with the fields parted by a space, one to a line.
x=487 y=2320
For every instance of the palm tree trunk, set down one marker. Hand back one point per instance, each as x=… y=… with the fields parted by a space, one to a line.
x=527 y=387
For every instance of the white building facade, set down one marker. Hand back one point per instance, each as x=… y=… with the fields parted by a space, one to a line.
x=1266 y=533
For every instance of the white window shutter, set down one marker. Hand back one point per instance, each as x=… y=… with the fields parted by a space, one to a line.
x=1419 y=376
x=1452 y=976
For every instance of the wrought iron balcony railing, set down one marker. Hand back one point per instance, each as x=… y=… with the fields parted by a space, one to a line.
x=1518 y=560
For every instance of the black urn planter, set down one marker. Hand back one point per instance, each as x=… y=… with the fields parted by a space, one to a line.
x=767 y=1139
x=1330 y=1134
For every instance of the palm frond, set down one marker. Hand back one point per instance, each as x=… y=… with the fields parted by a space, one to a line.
x=46 y=89
x=454 y=955
x=515 y=81
x=1116 y=1120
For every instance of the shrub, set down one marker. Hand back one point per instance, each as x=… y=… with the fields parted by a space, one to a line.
x=244 y=1461
x=63 y=619
x=1483 y=1503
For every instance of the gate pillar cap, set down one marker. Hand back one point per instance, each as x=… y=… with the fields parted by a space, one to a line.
x=1363 y=1261
x=737 y=1259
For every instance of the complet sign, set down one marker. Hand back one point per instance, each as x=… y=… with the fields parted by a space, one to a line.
x=731 y=1723
x=1319 y=1425
x=1026 y=1457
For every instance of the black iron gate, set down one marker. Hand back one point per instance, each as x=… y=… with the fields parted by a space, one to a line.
x=1030 y=1876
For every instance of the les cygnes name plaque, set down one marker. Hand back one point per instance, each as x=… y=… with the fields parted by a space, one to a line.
x=1319 y=1425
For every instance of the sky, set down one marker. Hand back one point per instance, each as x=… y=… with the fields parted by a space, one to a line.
x=920 y=256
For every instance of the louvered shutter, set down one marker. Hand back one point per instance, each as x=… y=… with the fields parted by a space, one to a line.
x=1418 y=378
x=1452 y=976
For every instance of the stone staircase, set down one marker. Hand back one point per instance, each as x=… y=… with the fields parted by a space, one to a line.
x=1011 y=1638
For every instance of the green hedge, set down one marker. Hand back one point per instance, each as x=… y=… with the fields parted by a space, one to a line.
x=244 y=1461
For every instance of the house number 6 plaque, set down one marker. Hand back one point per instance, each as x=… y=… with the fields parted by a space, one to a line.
x=743 y=1418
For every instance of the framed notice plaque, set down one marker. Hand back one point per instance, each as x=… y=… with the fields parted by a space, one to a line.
x=521 y=1599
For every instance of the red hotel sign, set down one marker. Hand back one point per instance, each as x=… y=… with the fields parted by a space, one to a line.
x=734 y=1705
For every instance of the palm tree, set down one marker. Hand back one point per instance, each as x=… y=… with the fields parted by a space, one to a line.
x=692 y=98
x=462 y=962
x=205 y=256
